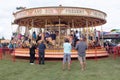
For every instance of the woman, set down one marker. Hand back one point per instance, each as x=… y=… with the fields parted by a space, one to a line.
x=67 y=53
x=32 y=48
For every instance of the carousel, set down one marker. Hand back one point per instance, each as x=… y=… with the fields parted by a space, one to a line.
x=60 y=22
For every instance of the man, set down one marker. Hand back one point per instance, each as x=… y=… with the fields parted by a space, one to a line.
x=81 y=48
x=41 y=48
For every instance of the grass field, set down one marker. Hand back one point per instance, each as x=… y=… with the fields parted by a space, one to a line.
x=103 y=69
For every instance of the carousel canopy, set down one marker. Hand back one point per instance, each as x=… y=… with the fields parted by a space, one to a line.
x=77 y=16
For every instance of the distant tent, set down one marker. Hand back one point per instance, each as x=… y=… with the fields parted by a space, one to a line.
x=110 y=35
x=115 y=30
x=5 y=41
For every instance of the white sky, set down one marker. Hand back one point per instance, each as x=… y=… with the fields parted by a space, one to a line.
x=7 y=7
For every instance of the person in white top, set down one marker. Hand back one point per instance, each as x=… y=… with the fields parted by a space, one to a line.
x=77 y=34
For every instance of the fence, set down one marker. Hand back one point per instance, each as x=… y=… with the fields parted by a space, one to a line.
x=116 y=51
x=53 y=53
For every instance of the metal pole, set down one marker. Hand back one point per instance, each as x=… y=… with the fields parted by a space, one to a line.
x=80 y=32
x=92 y=31
x=59 y=31
x=73 y=23
x=26 y=30
x=102 y=36
x=45 y=25
x=18 y=29
x=87 y=31
x=68 y=31
x=32 y=24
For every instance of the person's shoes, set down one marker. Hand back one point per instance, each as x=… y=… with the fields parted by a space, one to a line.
x=63 y=69
x=32 y=63
x=39 y=63
x=43 y=63
x=82 y=69
x=68 y=69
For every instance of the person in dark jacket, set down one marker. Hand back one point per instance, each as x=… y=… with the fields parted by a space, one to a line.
x=32 y=48
x=41 y=48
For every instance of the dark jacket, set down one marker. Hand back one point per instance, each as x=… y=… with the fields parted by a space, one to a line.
x=42 y=47
x=32 y=49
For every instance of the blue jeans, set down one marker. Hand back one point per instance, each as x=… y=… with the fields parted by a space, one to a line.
x=41 y=58
x=67 y=57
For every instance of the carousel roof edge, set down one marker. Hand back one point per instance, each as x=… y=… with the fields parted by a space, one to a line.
x=60 y=7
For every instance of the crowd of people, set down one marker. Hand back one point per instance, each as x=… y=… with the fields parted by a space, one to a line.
x=52 y=39
x=81 y=47
x=109 y=46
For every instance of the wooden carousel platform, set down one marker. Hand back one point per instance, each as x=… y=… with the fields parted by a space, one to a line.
x=58 y=53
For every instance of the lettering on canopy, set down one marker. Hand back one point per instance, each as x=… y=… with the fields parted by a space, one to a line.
x=60 y=11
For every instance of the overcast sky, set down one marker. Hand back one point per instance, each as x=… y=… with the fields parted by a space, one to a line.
x=7 y=7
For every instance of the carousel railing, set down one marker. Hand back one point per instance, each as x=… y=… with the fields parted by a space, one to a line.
x=53 y=52
x=0 y=53
x=116 y=51
x=5 y=52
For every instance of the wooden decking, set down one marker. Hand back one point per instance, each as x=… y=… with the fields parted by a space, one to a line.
x=58 y=53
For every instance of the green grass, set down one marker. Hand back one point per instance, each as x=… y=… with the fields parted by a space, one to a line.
x=103 y=69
